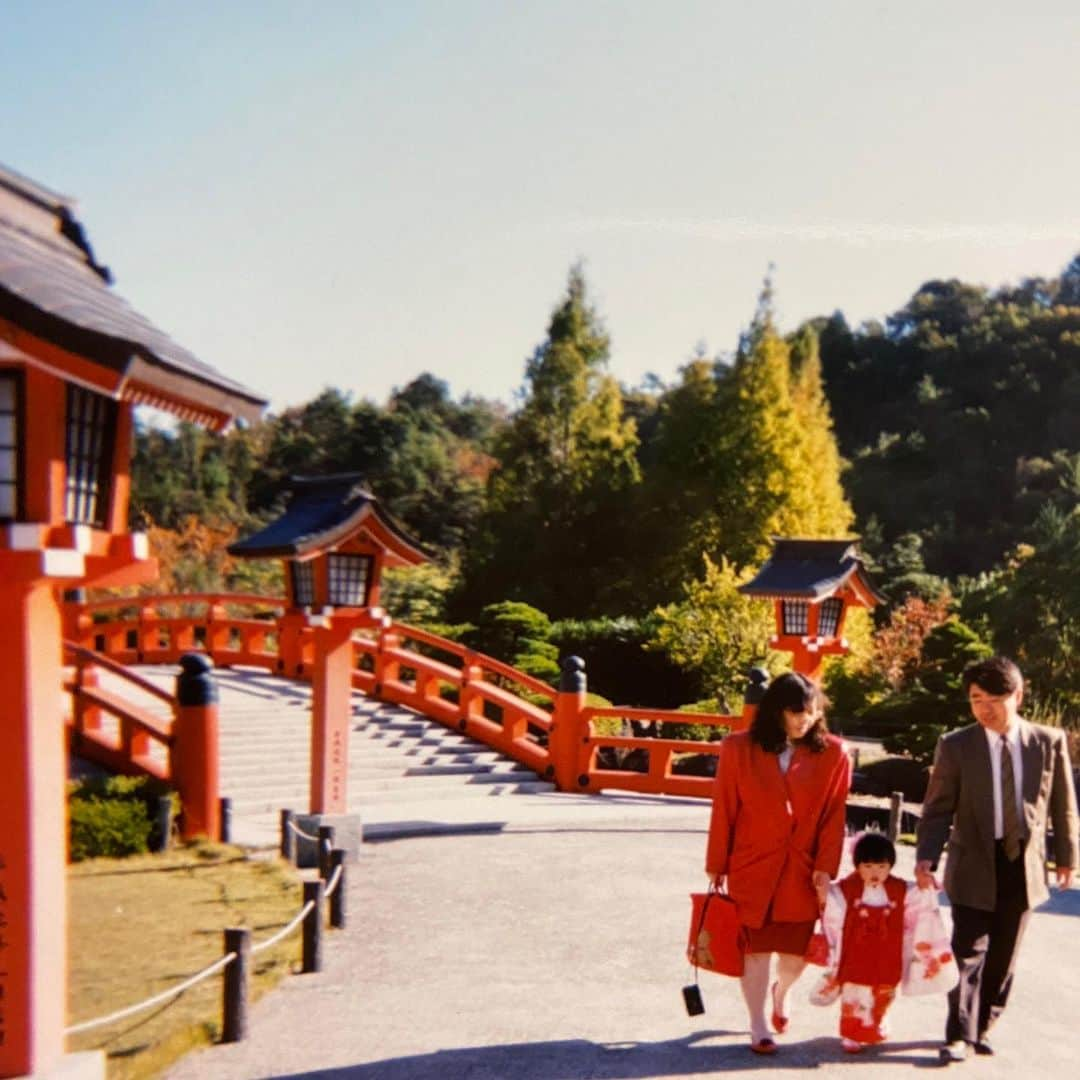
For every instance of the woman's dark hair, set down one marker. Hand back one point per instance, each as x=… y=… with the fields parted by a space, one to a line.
x=874 y=847
x=789 y=691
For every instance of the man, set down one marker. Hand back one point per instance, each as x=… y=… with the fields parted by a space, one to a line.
x=993 y=787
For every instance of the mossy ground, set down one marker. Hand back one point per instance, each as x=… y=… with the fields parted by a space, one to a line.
x=140 y=925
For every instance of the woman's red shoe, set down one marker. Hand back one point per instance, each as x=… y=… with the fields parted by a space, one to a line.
x=779 y=1022
x=763 y=1046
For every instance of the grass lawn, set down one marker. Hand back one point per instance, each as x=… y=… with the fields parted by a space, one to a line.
x=143 y=924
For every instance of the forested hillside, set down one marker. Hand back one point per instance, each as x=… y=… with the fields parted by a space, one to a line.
x=947 y=438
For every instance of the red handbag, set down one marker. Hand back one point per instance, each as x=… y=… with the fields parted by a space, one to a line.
x=817 y=948
x=717 y=940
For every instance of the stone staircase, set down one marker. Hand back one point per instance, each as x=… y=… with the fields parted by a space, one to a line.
x=401 y=765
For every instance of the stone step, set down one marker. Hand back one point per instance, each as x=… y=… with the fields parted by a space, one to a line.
x=273 y=802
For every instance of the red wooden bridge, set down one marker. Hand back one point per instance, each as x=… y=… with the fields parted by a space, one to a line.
x=449 y=720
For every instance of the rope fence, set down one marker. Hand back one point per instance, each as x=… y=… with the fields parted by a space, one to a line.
x=239 y=948
x=157 y=999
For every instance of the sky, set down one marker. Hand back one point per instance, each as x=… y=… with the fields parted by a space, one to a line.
x=350 y=194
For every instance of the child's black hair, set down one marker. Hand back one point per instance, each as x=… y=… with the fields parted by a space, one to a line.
x=874 y=847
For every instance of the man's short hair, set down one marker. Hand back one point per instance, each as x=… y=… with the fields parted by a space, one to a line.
x=997 y=675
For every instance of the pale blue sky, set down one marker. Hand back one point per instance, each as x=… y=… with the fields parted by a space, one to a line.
x=348 y=194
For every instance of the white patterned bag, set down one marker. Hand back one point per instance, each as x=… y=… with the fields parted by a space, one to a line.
x=932 y=968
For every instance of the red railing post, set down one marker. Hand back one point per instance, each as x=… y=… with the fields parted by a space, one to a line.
x=387 y=668
x=566 y=724
x=470 y=702
x=195 y=747
x=87 y=717
x=217 y=630
x=149 y=640
x=290 y=647
x=76 y=621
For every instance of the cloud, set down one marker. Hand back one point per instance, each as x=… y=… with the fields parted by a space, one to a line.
x=862 y=234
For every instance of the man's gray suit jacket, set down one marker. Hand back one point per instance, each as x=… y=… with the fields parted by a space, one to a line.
x=959 y=807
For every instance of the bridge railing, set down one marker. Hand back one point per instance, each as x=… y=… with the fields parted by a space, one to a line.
x=549 y=729
x=112 y=728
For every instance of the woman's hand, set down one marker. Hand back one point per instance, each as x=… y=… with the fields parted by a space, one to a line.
x=717 y=881
x=821 y=886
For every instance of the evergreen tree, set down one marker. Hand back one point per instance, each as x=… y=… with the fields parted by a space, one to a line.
x=566 y=459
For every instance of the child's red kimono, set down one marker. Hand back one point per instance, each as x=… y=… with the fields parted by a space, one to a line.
x=870 y=930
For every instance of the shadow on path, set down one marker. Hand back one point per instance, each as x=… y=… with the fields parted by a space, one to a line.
x=574 y=1058
x=1065 y=902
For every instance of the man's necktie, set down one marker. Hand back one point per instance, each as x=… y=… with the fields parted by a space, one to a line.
x=1010 y=819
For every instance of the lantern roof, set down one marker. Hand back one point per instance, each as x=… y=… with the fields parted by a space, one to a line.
x=324 y=512
x=812 y=570
x=53 y=287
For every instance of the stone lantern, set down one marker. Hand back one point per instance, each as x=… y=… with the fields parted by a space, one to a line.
x=336 y=539
x=75 y=360
x=813 y=584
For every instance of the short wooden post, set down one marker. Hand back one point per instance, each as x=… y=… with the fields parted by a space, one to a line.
x=313 y=923
x=566 y=733
x=896 y=805
x=225 y=804
x=326 y=844
x=195 y=750
x=164 y=821
x=288 y=837
x=337 y=898
x=234 y=1011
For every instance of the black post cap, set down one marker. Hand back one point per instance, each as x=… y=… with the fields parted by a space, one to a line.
x=195 y=685
x=572 y=680
x=755 y=688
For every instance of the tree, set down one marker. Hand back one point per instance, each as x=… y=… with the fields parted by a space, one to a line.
x=718 y=632
x=776 y=467
x=565 y=460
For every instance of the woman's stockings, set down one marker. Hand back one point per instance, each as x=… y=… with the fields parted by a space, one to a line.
x=788 y=969
x=755 y=987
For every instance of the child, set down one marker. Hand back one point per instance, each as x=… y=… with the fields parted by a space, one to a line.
x=869 y=920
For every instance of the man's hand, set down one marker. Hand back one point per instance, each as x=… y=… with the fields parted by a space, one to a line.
x=1064 y=876
x=924 y=876
x=821 y=886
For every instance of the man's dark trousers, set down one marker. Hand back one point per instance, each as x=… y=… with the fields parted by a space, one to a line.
x=985 y=944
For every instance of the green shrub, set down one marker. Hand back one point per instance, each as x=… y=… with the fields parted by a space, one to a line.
x=618 y=664
x=113 y=816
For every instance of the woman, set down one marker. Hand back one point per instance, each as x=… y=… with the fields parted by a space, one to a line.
x=776 y=836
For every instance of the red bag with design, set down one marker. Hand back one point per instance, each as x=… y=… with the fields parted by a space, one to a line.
x=817 y=948
x=717 y=940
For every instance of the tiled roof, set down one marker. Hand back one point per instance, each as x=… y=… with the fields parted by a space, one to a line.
x=52 y=286
x=321 y=512
x=810 y=569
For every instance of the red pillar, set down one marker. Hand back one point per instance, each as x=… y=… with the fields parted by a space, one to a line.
x=331 y=711
x=566 y=728
x=33 y=840
x=195 y=748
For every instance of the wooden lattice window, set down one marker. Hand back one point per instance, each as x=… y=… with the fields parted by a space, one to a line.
x=303 y=583
x=829 y=616
x=796 y=616
x=9 y=446
x=348 y=580
x=91 y=433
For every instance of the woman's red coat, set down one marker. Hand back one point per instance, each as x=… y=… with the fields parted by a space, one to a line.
x=769 y=831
